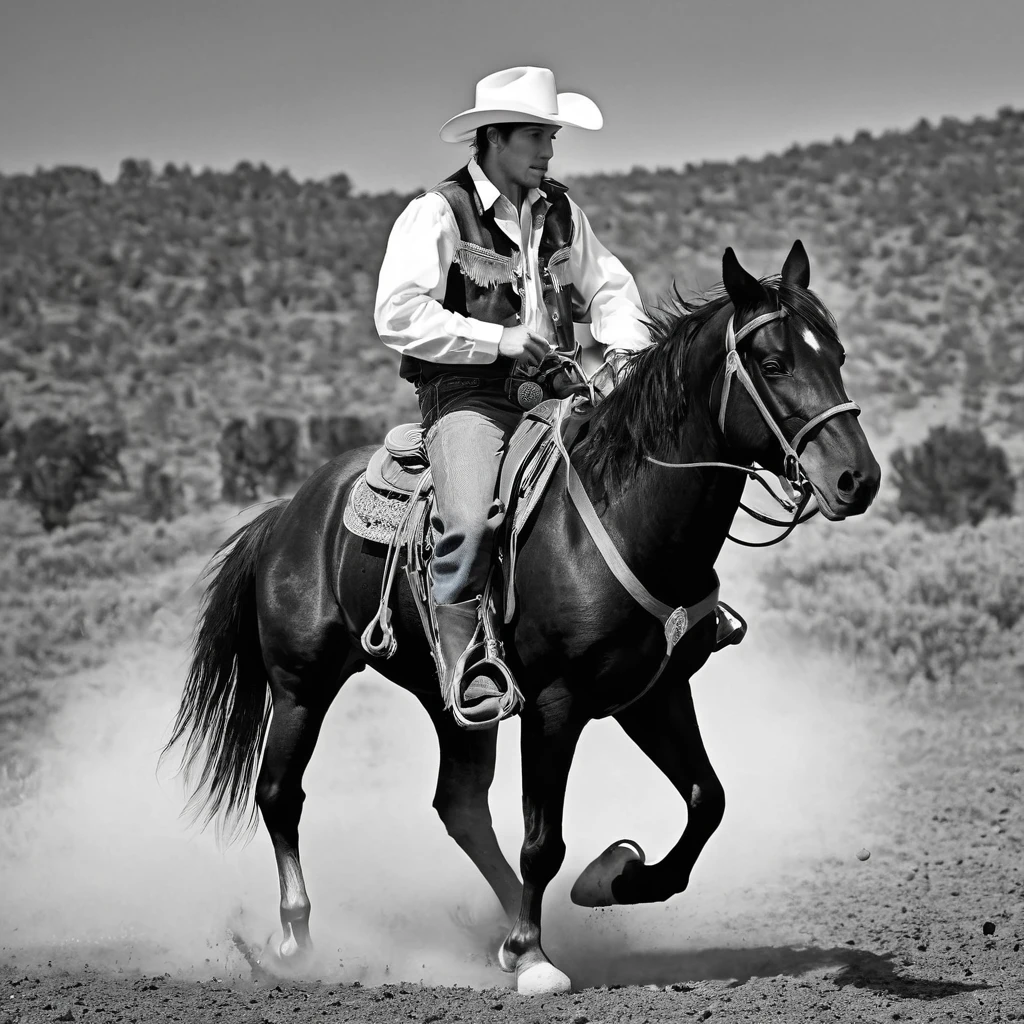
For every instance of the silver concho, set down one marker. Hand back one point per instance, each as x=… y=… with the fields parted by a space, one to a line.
x=529 y=394
x=676 y=626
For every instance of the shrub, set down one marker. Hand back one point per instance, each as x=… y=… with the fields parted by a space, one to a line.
x=953 y=477
x=916 y=607
x=60 y=463
x=261 y=456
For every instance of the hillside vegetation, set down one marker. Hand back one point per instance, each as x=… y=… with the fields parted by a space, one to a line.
x=210 y=334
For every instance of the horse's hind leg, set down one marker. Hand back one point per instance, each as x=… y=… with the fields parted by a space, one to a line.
x=464 y=777
x=299 y=709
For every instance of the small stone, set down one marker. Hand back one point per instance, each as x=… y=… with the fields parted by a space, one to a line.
x=988 y=928
x=863 y=854
x=497 y=1006
x=66 y=1015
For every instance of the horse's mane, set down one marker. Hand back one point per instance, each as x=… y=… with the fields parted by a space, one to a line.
x=666 y=385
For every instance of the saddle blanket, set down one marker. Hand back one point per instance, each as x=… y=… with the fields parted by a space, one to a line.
x=371 y=515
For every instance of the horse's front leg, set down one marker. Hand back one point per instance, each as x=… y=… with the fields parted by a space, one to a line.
x=664 y=726
x=550 y=732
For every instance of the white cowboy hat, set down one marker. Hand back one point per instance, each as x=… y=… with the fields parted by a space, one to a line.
x=522 y=94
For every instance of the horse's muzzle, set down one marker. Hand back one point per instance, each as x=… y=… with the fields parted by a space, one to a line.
x=851 y=494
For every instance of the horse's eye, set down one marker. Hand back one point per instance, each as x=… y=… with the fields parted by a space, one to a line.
x=772 y=368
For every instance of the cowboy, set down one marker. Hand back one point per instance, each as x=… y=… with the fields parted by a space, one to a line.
x=483 y=277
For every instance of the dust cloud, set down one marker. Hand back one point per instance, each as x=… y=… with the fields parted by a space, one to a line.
x=98 y=867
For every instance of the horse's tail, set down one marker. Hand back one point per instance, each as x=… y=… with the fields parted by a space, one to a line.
x=225 y=708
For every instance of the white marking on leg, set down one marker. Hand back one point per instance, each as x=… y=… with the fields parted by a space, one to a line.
x=811 y=340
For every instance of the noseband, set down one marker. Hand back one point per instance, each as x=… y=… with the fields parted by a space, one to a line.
x=734 y=368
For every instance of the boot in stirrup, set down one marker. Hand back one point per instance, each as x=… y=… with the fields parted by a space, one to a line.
x=732 y=627
x=478 y=694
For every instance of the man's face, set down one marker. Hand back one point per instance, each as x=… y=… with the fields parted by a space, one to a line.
x=524 y=156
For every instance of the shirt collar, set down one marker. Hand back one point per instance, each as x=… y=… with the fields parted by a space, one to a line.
x=488 y=191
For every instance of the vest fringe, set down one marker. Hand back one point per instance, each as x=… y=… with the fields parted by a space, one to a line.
x=485 y=267
x=559 y=269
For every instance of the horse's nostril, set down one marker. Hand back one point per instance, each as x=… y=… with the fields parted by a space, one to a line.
x=847 y=484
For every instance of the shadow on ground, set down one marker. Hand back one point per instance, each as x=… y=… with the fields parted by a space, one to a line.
x=856 y=967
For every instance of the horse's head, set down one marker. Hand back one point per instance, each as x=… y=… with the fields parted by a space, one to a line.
x=782 y=402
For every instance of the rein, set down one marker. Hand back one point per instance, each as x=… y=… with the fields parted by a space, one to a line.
x=794 y=471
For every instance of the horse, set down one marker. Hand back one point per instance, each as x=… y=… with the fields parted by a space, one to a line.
x=664 y=461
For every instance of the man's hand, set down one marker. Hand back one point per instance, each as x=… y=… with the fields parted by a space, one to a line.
x=522 y=344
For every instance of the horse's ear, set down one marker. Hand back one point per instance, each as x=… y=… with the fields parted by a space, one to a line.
x=796 y=271
x=746 y=292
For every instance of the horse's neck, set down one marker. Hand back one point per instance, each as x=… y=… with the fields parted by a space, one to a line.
x=673 y=522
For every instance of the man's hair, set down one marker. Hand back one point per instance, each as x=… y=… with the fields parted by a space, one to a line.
x=481 y=143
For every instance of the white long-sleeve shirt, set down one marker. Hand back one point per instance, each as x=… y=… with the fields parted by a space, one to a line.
x=411 y=319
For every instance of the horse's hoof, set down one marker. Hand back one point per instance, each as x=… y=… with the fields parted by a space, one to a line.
x=594 y=887
x=542 y=979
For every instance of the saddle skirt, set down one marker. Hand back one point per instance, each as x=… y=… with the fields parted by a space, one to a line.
x=378 y=507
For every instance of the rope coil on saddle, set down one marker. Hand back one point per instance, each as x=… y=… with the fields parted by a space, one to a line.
x=388 y=644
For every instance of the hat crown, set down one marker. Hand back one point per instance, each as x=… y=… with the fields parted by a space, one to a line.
x=515 y=88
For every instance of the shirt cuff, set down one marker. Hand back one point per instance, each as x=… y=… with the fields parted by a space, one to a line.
x=487 y=337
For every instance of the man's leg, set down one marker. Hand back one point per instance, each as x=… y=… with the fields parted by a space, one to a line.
x=465 y=449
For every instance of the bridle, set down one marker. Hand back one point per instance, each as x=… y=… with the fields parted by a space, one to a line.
x=793 y=471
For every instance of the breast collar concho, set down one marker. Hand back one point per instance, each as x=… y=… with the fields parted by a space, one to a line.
x=734 y=367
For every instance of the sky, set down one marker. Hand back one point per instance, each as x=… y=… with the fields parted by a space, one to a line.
x=362 y=86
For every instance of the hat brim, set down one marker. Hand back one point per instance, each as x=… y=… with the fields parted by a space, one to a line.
x=574 y=111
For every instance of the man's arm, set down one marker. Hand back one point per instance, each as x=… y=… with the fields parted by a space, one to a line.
x=608 y=295
x=408 y=312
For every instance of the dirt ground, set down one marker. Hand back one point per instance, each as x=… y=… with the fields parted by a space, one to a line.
x=930 y=928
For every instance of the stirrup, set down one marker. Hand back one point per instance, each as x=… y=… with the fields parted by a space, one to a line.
x=732 y=627
x=485 y=657
x=486 y=653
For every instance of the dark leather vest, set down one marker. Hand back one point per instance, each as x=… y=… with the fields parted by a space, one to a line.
x=486 y=274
